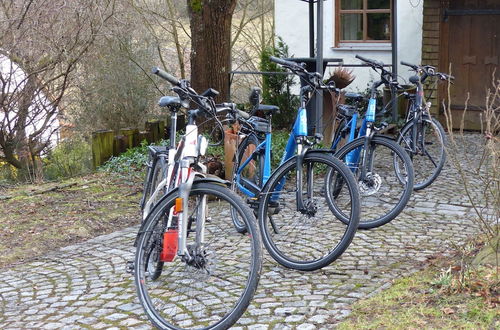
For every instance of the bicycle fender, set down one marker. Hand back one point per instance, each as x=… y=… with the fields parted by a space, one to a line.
x=379 y=136
x=197 y=179
x=213 y=179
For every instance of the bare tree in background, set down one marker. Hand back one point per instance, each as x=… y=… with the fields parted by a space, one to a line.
x=253 y=33
x=43 y=40
x=167 y=22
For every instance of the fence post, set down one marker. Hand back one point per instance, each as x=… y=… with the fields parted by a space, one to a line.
x=102 y=147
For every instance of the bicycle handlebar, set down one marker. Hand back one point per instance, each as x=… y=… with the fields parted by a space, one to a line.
x=168 y=77
x=429 y=71
x=413 y=66
x=374 y=63
x=232 y=108
x=284 y=62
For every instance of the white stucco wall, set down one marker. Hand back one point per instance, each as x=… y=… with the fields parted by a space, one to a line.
x=292 y=24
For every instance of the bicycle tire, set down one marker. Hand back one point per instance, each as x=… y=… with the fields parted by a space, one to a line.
x=424 y=158
x=294 y=239
x=198 y=295
x=252 y=172
x=377 y=192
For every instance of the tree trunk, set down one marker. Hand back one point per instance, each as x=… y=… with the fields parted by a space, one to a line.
x=210 y=22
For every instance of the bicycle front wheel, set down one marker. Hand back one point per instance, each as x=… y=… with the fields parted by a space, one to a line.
x=309 y=238
x=215 y=289
x=251 y=174
x=427 y=153
x=384 y=173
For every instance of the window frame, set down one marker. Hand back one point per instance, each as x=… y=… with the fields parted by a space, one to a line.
x=364 y=11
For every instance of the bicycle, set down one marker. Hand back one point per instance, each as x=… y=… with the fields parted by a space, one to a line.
x=422 y=136
x=292 y=211
x=191 y=268
x=369 y=156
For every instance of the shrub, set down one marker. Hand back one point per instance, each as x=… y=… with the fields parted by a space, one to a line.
x=276 y=89
x=69 y=158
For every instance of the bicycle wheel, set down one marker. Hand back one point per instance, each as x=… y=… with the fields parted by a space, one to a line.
x=430 y=154
x=251 y=173
x=154 y=175
x=215 y=289
x=383 y=194
x=312 y=238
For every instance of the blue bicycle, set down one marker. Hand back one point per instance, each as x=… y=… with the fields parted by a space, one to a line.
x=297 y=226
x=382 y=168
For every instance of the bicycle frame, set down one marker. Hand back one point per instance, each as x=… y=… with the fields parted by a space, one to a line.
x=298 y=132
x=180 y=173
x=366 y=129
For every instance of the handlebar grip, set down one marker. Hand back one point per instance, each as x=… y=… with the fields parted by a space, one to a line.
x=282 y=61
x=243 y=114
x=168 y=77
x=413 y=66
x=370 y=61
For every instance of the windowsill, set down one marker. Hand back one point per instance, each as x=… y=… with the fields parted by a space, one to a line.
x=347 y=46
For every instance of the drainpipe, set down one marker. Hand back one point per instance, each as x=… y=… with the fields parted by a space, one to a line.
x=394 y=48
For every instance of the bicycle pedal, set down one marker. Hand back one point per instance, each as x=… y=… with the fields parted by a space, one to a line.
x=129 y=267
x=254 y=203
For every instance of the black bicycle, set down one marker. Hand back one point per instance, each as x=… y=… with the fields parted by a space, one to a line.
x=422 y=136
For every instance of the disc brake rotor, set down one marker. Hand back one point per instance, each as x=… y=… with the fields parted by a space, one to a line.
x=370 y=185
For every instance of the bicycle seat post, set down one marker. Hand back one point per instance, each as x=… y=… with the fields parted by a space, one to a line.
x=173 y=126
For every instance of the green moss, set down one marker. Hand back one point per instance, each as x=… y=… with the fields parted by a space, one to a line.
x=196 y=5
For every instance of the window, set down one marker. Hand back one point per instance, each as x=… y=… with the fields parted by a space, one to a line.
x=363 y=21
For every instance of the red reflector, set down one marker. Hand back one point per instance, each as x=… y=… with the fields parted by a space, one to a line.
x=178 y=205
x=170 y=244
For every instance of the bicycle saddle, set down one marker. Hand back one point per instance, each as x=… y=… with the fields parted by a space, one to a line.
x=354 y=96
x=346 y=110
x=267 y=109
x=167 y=101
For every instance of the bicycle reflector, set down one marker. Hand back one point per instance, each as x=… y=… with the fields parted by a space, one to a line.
x=178 y=205
x=170 y=245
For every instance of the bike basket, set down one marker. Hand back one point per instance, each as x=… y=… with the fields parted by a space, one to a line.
x=260 y=125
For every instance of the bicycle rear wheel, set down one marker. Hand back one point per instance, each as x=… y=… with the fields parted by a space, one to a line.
x=215 y=290
x=430 y=153
x=154 y=175
x=311 y=238
x=251 y=173
x=387 y=185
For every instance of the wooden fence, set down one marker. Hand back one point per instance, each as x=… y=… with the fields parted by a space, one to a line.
x=110 y=143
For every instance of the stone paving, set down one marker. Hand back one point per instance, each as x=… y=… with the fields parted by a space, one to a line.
x=85 y=285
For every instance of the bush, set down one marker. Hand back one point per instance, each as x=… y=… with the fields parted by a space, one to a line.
x=277 y=88
x=129 y=163
x=69 y=158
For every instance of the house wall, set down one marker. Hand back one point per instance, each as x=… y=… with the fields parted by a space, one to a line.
x=292 y=24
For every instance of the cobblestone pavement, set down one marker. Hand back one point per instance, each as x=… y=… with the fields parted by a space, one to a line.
x=85 y=285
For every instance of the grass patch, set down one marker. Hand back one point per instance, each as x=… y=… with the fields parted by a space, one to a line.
x=431 y=299
x=37 y=220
